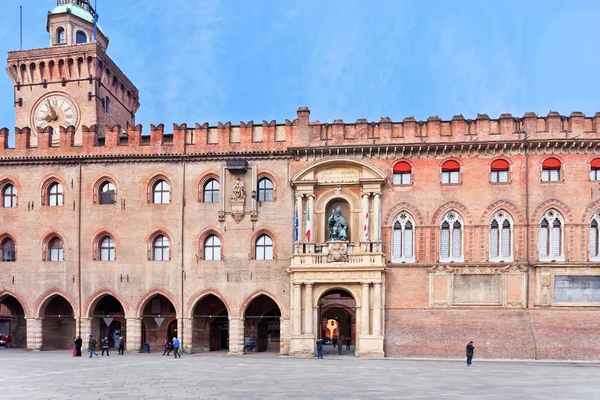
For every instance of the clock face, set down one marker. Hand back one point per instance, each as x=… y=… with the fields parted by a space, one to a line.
x=55 y=110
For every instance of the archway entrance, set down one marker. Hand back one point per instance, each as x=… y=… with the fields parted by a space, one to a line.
x=108 y=320
x=210 y=325
x=12 y=321
x=337 y=319
x=157 y=316
x=58 y=324
x=262 y=325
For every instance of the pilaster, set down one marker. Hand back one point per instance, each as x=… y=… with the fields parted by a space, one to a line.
x=236 y=336
x=133 y=341
x=34 y=333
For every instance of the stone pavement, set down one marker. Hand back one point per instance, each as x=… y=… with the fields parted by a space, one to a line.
x=58 y=375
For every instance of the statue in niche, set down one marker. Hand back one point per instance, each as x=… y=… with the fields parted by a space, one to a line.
x=239 y=189
x=338 y=227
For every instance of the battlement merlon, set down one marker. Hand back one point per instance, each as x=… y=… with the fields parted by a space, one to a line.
x=272 y=138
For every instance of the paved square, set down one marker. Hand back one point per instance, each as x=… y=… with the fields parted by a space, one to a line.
x=58 y=375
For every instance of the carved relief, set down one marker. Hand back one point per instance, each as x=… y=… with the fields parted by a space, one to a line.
x=337 y=253
x=546 y=281
x=238 y=198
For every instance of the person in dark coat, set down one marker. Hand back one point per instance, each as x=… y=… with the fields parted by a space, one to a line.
x=334 y=342
x=166 y=345
x=121 y=347
x=105 y=346
x=92 y=346
x=348 y=341
x=320 y=348
x=78 y=344
x=470 y=351
x=339 y=346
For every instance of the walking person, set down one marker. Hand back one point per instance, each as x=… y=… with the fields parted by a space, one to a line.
x=166 y=345
x=334 y=341
x=92 y=346
x=105 y=346
x=78 y=344
x=470 y=351
x=176 y=347
x=348 y=341
x=319 y=348
x=121 y=348
x=339 y=346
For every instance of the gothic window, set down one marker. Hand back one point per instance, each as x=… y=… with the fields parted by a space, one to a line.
x=107 y=193
x=551 y=237
x=161 y=192
x=211 y=191
x=212 y=248
x=595 y=238
x=264 y=248
x=9 y=196
x=501 y=237
x=551 y=170
x=402 y=173
x=80 y=37
x=265 y=190
x=61 y=38
x=107 y=249
x=9 y=252
x=595 y=170
x=55 y=249
x=55 y=194
x=450 y=172
x=403 y=234
x=451 y=237
x=499 y=171
x=160 y=249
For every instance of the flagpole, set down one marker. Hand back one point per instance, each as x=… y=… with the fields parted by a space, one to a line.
x=95 y=18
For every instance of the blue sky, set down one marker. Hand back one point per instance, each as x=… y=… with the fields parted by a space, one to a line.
x=210 y=60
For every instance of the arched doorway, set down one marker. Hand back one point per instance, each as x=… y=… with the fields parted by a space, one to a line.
x=157 y=316
x=210 y=325
x=12 y=321
x=337 y=318
x=108 y=320
x=58 y=324
x=262 y=325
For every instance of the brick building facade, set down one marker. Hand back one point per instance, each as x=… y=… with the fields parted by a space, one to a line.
x=483 y=229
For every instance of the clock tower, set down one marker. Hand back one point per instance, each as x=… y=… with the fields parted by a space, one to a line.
x=73 y=82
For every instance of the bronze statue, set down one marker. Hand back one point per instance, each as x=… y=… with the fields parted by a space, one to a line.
x=338 y=228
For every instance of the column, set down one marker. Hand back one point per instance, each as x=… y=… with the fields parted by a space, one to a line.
x=34 y=333
x=364 y=310
x=377 y=309
x=188 y=332
x=86 y=328
x=365 y=210
x=297 y=311
x=236 y=336
x=300 y=219
x=133 y=341
x=377 y=220
x=308 y=309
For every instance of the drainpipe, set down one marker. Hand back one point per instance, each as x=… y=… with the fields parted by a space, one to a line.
x=79 y=248
x=183 y=244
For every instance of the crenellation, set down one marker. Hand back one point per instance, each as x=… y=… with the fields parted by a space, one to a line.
x=111 y=136
x=4 y=138
x=156 y=135
x=67 y=137
x=596 y=123
x=411 y=128
x=554 y=123
x=507 y=124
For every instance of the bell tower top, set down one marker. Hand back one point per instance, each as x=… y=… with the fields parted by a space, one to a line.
x=71 y=23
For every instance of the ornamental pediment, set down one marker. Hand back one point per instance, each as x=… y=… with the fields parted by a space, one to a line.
x=338 y=170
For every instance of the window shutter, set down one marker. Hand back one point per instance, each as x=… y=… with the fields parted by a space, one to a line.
x=454 y=177
x=396 y=242
x=445 y=243
x=555 y=241
x=593 y=241
x=543 y=241
x=505 y=242
x=408 y=243
x=494 y=242
x=456 y=242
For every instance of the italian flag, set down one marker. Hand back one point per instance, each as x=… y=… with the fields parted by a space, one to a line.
x=307 y=232
x=366 y=227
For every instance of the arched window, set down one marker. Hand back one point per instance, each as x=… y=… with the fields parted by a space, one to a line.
x=264 y=248
x=403 y=234
x=499 y=173
x=107 y=249
x=9 y=252
x=451 y=237
x=595 y=170
x=265 y=190
x=450 y=172
x=107 y=193
x=595 y=237
x=55 y=249
x=160 y=249
x=402 y=172
x=212 y=248
x=107 y=105
x=211 y=191
x=501 y=242
x=9 y=196
x=551 y=170
x=551 y=237
x=161 y=192
x=80 y=37
x=55 y=194
x=61 y=38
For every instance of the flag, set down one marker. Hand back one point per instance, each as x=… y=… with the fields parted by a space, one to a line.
x=366 y=227
x=307 y=233
x=296 y=225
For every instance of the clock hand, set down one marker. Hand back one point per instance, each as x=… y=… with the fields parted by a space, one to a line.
x=52 y=112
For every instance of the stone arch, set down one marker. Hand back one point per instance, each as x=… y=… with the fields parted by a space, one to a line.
x=5 y=293
x=47 y=296
x=148 y=294
x=257 y=234
x=246 y=302
x=589 y=210
x=330 y=195
x=93 y=300
x=552 y=203
x=203 y=180
x=203 y=236
x=377 y=172
x=395 y=210
x=198 y=296
x=517 y=215
x=452 y=205
x=334 y=286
